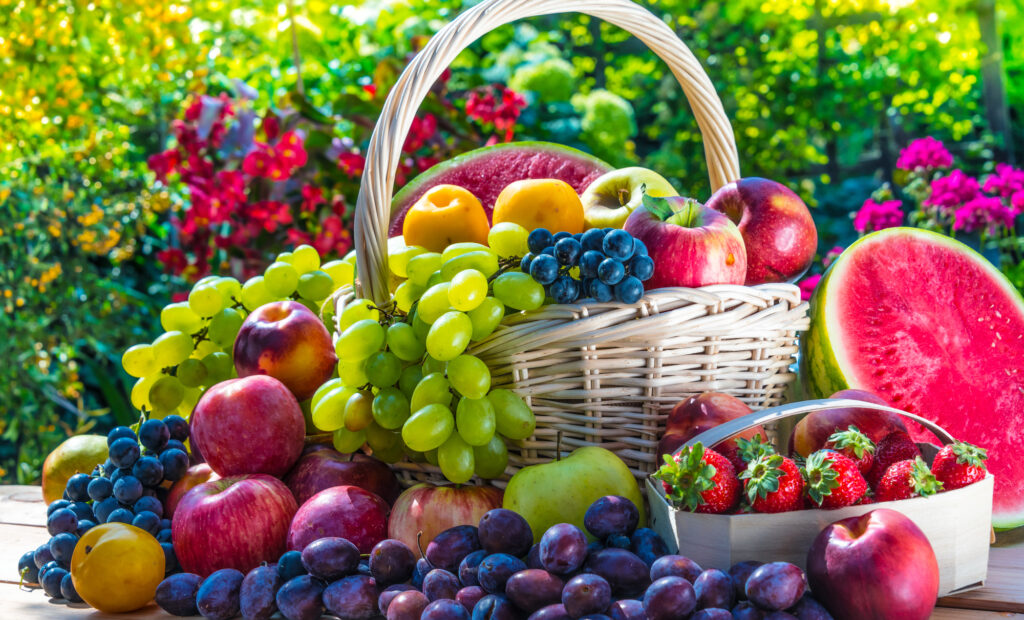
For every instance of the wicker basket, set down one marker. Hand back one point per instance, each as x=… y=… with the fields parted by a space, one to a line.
x=598 y=374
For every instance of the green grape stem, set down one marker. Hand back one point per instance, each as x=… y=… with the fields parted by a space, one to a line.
x=505 y=264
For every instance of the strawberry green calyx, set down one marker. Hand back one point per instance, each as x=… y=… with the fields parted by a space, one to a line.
x=968 y=454
x=762 y=476
x=752 y=449
x=687 y=476
x=820 y=478
x=923 y=480
x=852 y=438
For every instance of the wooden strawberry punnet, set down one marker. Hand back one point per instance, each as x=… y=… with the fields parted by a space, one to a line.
x=957 y=523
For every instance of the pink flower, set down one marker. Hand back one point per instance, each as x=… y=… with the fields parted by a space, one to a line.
x=351 y=164
x=807 y=286
x=1017 y=202
x=1006 y=182
x=164 y=163
x=422 y=129
x=173 y=259
x=876 y=216
x=983 y=212
x=927 y=153
x=952 y=191
x=832 y=255
x=333 y=237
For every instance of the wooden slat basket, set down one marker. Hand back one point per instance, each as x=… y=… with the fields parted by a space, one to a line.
x=597 y=374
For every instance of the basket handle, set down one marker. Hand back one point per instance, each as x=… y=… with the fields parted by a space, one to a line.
x=373 y=206
x=726 y=430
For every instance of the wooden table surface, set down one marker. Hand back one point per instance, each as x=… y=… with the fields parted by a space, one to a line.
x=22 y=513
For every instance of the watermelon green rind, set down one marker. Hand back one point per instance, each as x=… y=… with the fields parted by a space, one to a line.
x=829 y=363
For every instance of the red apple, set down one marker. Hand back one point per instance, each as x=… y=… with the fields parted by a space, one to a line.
x=196 y=475
x=287 y=341
x=778 y=230
x=236 y=522
x=690 y=244
x=250 y=425
x=814 y=429
x=697 y=414
x=347 y=511
x=433 y=509
x=325 y=468
x=877 y=565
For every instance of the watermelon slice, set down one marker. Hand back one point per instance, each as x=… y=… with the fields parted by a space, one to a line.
x=928 y=324
x=486 y=171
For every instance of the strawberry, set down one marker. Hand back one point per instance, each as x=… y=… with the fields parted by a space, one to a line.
x=958 y=465
x=833 y=480
x=773 y=484
x=699 y=479
x=855 y=445
x=906 y=479
x=748 y=450
x=894 y=447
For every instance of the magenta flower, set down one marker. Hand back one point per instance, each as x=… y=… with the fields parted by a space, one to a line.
x=807 y=286
x=876 y=216
x=983 y=212
x=832 y=255
x=952 y=191
x=927 y=153
x=1017 y=202
x=1006 y=182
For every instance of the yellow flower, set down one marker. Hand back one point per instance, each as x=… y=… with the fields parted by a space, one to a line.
x=19 y=302
x=53 y=230
x=8 y=293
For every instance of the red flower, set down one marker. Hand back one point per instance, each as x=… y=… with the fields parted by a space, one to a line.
x=173 y=259
x=164 y=163
x=422 y=129
x=298 y=237
x=370 y=89
x=338 y=205
x=271 y=126
x=312 y=197
x=289 y=152
x=270 y=214
x=260 y=163
x=352 y=164
x=333 y=237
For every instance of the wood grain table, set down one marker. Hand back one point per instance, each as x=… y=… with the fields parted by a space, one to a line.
x=22 y=514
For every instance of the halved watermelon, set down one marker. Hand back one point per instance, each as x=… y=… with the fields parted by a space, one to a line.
x=486 y=171
x=928 y=324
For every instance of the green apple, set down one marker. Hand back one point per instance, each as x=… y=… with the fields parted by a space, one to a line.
x=79 y=454
x=611 y=197
x=561 y=491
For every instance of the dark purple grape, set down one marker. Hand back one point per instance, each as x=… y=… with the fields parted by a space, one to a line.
x=619 y=541
x=330 y=558
x=218 y=596
x=444 y=609
x=595 y=546
x=175 y=464
x=407 y=605
x=450 y=546
x=352 y=598
x=170 y=558
x=391 y=561
x=712 y=613
x=669 y=598
x=177 y=427
x=563 y=548
x=504 y=531
x=648 y=545
x=495 y=607
x=553 y=612
x=52 y=564
x=84 y=526
x=147 y=521
x=469 y=566
x=627 y=609
x=301 y=598
x=420 y=571
x=100 y=489
x=364 y=568
x=78 y=488
x=177 y=594
x=124 y=452
x=82 y=510
x=57 y=505
x=776 y=586
x=290 y=566
x=256 y=596
x=533 y=588
x=41 y=556
x=148 y=470
x=469 y=596
x=62 y=520
x=439 y=584
x=533 y=558
x=127 y=489
x=496 y=569
x=745 y=610
x=121 y=515
x=153 y=434
x=389 y=594
x=586 y=594
x=120 y=473
x=675 y=566
x=68 y=591
x=713 y=588
x=118 y=432
x=27 y=569
x=779 y=615
x=147 y=503
x=174 y=444
x=739 y=573
x=611 y=515
x=626 y=573
x=808 y=608
x=51 y=580
x=62 y=546
x=166 y=536
x=103 y=508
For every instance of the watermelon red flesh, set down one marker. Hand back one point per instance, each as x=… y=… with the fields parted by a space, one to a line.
x=486 y=171
x=935 y=329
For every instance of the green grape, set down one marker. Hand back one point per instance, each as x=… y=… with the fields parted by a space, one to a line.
x=140 y=391
x=428 y=428
x=430 y=456
x=179 y=317
x=219 y=367
x=329 y=412
x=486 y=317
x=358 y=310
x=402 y=341
x=407 y=294
x=204 y=348
x=171 y=349
x=342 y=273
x=360 y=340
x=455 y=457
x=436 y=278
x=434 y=303
x=398 y=261
x=224 y=327
x=432 y=389
x=484 y=262
x=474 y=418
x=467 y=290
x=305 y=259
x=315 y=285
x=386 y=445
x=358 y=410
x=347 y=442
x=469 y=376
x=383 y=369
x=255 y=294
x=280 y=279
x=513 y=417
x=491 y=459
x=412 y=455
x=285 y=257
x=310 y=305
x=391 y=408
x=139 y=361
x=449 y=335
x=518 y=290
x=463 y=247
x=353 y=373
x=431 y=365
x=166 y=393
x=419 y=327
x=323 y=390
x=192 y=373
x=420 y=267
x=230 y=289
x=205 y=300
x=409 y=379
x=210 y=279
x=508 y=239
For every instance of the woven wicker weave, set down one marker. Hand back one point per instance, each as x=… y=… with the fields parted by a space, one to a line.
x=598 y=374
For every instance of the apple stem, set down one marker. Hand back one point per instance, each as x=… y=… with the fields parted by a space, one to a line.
x=419 y=545
x=623 y=195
